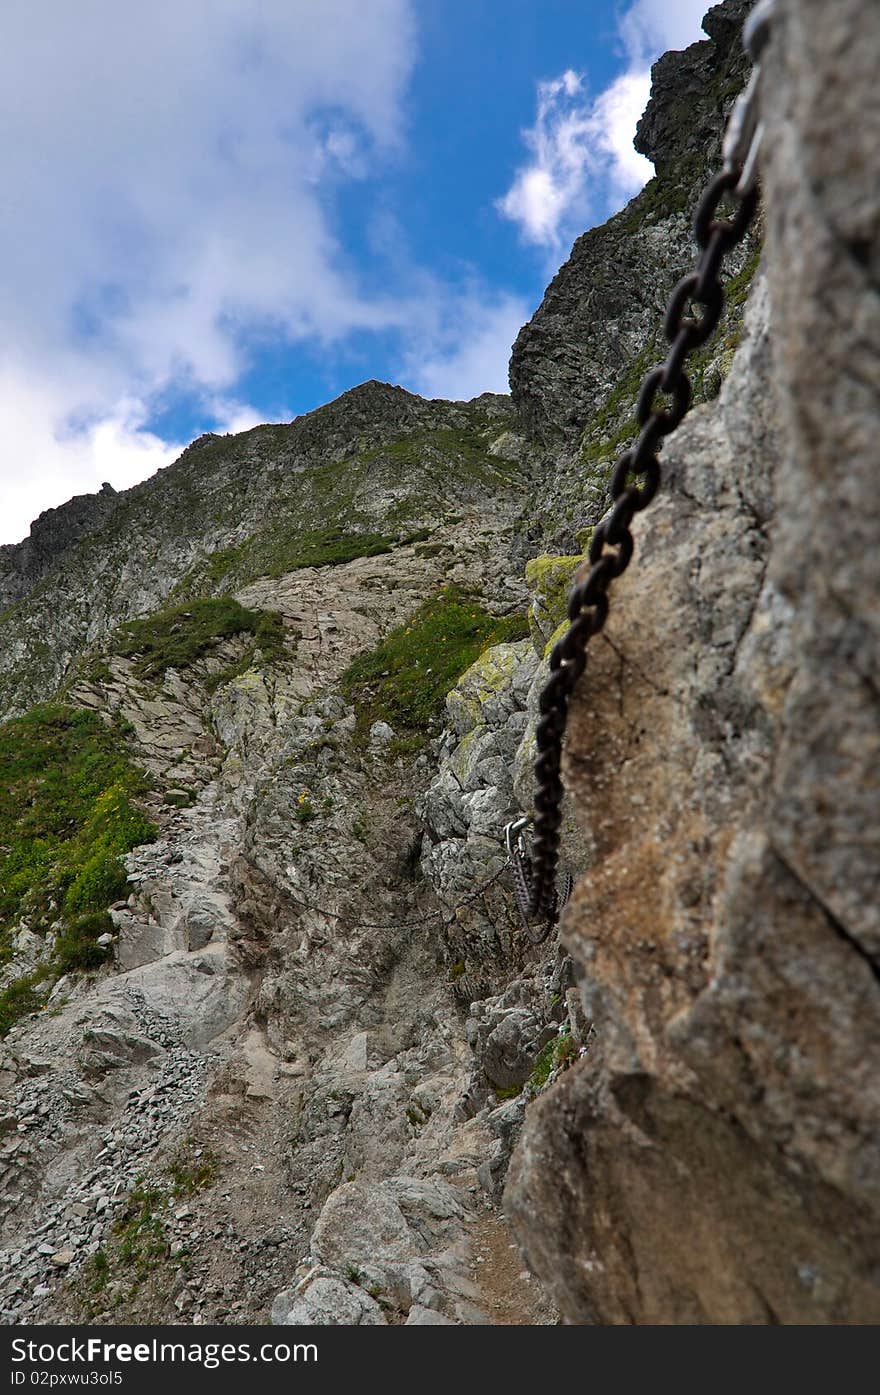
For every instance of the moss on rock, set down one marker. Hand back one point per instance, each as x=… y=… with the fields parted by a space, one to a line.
x=549 y=580
x=479 y=683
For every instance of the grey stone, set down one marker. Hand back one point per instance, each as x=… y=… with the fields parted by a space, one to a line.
x=723 y=764
x=426 y=1317
x=381 y=734
x=329 y=1302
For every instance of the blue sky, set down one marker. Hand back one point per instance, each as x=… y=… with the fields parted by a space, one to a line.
x=219 y=212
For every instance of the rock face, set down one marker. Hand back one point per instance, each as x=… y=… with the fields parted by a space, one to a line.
x=373 y=465
x=607 y=301
x=52 y=537
x=321 y=1051
x=715 y=1158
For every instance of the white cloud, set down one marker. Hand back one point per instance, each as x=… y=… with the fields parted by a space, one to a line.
x=168 y=171
x=582 y=165
x=169 y=174
x=229 y=415
x=650 y=27
x=468 y=352
x=581 y=156
x=43 y=467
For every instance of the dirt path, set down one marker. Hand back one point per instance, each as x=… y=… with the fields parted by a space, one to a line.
x=508 y=1293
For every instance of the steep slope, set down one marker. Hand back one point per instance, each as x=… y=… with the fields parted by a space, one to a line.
x=356 y=476
x=577 y=364
x=715 y=1158
x=247 y=995
x=52 y=538
x=283 y=1069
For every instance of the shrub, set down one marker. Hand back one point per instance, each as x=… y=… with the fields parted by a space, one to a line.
x=22 y=996
x=76 y=947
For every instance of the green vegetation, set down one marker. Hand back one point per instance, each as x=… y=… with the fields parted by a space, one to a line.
x=405 y=679
x=708 y=367
x=97 y=671
x=426 y=450
x=298 y=535
x=96 y=1272
x=328 y=547
x=281 y=548
x=139 y=1232
x=179 y=799
x=559 y=1051
x=180 y=635
x=661 y=197
x=613 y=426
x=66 y=815
x=304 y=810
x=549 y=578
x=508 y=1092
x=138 y=1247
x=22 y=996
x=76 y=947
x=189 y=1176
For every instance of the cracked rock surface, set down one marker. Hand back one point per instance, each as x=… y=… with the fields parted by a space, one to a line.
x=715 y=1158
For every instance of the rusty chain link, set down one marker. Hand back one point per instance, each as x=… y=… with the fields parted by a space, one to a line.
x=611 y=547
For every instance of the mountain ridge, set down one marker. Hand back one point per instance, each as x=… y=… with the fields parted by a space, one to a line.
x=277 y=1047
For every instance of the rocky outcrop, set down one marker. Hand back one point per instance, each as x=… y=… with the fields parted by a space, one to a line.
x=322 y=1049
x=576 y=366
x=714 y=1158
x=52 y=538
x=284 y=1022
x=681 y=129
x=359 y=476
x=606 y=302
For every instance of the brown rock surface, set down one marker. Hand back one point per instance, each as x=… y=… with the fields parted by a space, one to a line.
x=715 y=1156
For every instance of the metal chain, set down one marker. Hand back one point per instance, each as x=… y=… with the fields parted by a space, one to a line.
x=611 y=547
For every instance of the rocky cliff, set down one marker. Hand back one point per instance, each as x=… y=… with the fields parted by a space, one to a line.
x=576 y=366
x=53 y=536
x=716 y=1157
x=272 y=1030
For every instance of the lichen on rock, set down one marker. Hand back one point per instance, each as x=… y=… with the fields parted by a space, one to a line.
x=314 y=1048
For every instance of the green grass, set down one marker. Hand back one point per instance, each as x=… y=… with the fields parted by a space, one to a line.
x=405 y=679
x=328 y=547
x=180 y=635
x=22 y=996
x=191 y=1175
x=425 y=461
x=559 y=1050
x=508 y=1092
x=76 y=948
x=139 y=1233
x=67 y=814
x=138 y=1246
x=96 y=1272
x=280 y=549
x=463 y=448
